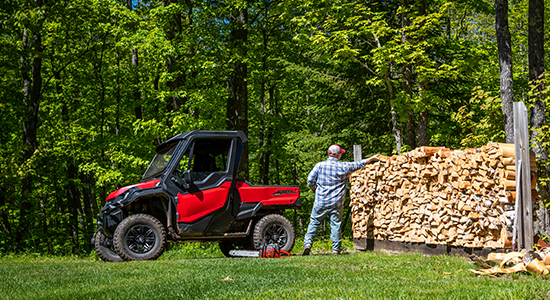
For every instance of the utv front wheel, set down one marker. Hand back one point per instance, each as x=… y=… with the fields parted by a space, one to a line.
x=274 y=229
x=105 y=249
x=139 y=237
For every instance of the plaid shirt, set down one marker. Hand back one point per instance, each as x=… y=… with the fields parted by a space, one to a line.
x=329 y=179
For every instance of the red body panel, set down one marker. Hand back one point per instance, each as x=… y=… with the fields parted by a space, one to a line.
x=142 y=185
x=194 y=206
x=268 y=195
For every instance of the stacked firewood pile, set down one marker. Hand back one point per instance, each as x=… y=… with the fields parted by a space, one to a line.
x=435 y=195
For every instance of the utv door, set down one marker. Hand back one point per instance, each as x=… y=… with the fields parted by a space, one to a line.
x=205 y=169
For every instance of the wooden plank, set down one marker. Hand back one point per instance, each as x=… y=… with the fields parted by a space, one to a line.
x=521 y=141
x=357 y=155
x=364 y=244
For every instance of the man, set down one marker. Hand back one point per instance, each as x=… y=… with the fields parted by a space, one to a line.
x=328 y=181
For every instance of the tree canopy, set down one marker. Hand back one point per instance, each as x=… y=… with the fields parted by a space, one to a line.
x=88 y=88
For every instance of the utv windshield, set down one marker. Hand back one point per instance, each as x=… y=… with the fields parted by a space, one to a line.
x=160 y=161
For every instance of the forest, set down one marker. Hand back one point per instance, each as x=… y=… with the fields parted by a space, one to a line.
x=89 y=88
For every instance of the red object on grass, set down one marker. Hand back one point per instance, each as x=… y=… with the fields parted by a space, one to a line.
x=540 y=244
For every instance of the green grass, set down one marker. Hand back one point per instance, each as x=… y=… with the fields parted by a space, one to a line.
x=359 y=275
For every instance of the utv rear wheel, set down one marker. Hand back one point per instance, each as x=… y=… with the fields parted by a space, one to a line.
x=105 y=249
x=274 y=229
x=139 y=237
x=227 y=246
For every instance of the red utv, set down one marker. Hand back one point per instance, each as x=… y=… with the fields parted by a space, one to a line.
x=190 y=192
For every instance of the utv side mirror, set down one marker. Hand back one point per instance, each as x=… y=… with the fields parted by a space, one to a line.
x=188 y=176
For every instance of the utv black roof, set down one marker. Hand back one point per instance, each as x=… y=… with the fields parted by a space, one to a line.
x=204 y=134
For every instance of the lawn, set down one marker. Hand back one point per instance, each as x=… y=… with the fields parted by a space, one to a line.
x=357 y=275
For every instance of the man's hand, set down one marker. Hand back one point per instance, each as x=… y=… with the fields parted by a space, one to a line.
x=373 y=158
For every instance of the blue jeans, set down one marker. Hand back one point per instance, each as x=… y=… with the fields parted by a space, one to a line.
x=318 y=213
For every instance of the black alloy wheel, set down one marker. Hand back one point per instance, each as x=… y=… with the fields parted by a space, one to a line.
x=140 y=237
x=275 y=234
x=274 y=229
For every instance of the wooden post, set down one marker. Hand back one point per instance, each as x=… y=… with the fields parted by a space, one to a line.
x=523 y=185
x=357 y=156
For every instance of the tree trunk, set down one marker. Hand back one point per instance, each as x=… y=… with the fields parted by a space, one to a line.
x=89 y=183
x=118 y=96
x=505 y=62
x=173 y=67
x=262 y=128
x=61 y=208
x=269 y=140
x=536 y=69
x=266 y=132
x=237 y=104
x=422 y=129
x=138 y=110
x=43 y=218
x=422 y=126
x=71 y=171
x=448 y=24
x=410 y=136
x=538 y=110
x=407 y=78
x=136 y=93
x=73 y=202
x=32 y=86
x=6 y=227
x=61 y=205
x=394 y=122
x=87 y=223
x=391 y=95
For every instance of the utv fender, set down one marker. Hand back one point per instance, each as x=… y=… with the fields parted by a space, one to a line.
x=128 y=197
x=112 y=214
x=251 y=212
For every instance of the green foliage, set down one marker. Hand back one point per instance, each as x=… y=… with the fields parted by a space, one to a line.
x=118 y=81
x=480 y=120
x=368 y=38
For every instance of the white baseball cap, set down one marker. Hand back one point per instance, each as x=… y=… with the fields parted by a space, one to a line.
x=335 y=149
